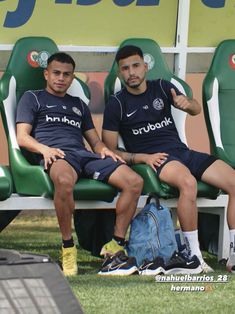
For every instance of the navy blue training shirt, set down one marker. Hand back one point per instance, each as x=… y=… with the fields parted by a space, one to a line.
x=57 y=121
x=144 y=121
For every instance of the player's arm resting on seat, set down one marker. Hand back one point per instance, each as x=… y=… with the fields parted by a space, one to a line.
x=25 y=140
x=110 y=138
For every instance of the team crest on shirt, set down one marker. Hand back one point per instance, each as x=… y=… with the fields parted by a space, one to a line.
x=77 y=111
x=158 y=104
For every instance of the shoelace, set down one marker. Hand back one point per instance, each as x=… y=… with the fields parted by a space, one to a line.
x=68 y=259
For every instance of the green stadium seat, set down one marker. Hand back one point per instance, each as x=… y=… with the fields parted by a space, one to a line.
x=219 y=102
x=6 y=183
x=24 y=71
x=158 y=68
x=6 y=189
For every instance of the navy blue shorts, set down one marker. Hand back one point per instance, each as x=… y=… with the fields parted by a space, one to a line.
x=196 y=162
x=90 y=165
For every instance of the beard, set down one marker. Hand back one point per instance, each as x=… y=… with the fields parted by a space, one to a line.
x=134 y=85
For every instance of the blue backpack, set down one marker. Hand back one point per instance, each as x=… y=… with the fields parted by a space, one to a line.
x=152 y=233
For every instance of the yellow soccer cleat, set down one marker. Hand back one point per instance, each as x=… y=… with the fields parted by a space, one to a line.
x=69 y=261
x=111 y=248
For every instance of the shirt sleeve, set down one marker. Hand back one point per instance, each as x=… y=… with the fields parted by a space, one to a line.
x=87 y=122
x=112 y=115
x=27 y=108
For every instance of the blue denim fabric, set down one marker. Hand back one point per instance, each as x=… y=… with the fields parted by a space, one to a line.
x=152 y=234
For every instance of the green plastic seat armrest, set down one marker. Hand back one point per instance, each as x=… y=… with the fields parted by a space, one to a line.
x=207 y=190
x=29 y=179
x=217 y=151
x=6 y=183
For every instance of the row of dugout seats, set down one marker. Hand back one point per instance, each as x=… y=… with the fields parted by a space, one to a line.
x=25 y=71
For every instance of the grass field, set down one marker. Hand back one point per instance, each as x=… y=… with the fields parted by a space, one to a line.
x=133 y=294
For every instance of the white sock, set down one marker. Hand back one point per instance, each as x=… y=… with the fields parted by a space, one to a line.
x=232 y=241
x=192 y=243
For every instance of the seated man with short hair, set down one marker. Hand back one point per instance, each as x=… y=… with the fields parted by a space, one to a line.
x=52 y=124
x=141 y=113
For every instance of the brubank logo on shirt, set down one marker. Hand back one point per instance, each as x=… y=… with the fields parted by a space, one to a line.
x=64 y=119
x=152 y=127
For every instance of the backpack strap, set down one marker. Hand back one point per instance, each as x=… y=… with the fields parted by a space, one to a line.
x=153 y=198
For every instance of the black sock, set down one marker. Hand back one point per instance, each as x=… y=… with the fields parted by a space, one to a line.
x=120 y=241
x=68 y=243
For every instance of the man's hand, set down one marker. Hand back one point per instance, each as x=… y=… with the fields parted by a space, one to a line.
x=50 y=155
x=186 y=104
x=105 y=152
x=180 y=101
x=155 y=160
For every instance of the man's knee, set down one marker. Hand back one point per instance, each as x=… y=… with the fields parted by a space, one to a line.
x=188 y=185
x=127 y=180
x=64 y=183
x=133 y=182
x=137 y=183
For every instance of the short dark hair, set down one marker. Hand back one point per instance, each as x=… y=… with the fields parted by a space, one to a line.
x=128 y=51
x=61 y=57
